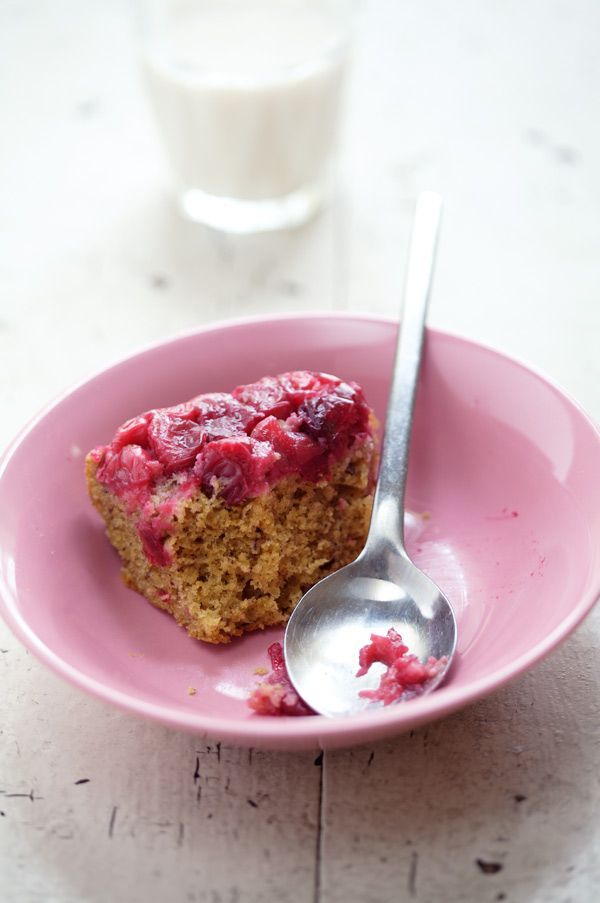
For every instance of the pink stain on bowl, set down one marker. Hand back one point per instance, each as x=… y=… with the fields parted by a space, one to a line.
x=491 y=438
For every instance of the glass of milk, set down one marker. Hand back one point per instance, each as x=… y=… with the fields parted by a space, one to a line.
x=247 y=97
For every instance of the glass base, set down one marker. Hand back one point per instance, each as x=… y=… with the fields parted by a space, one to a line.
x=244 y=217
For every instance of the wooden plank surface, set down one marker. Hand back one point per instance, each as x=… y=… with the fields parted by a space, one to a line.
x=97 y=806
x=493 y=104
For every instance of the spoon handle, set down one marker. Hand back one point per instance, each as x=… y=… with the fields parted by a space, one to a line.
x=387 y=521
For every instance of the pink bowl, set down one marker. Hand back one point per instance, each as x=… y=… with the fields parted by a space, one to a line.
x=504 y=491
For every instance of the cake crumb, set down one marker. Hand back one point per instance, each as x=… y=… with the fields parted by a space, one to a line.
x=135 y=654
x=261 y=671
x=426 y=515
x=192 y=691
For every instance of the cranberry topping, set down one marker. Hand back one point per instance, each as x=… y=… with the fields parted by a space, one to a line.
x=153 y=543
x=133 y=432
x=329 y=415
x=129 y=472
x=224 y=416
x=275 y=695
x=405 y=675
x=175 y=440
x=187 y=409
x=268 y=396
x=235 y=445
x=235 y=469
x=300 y=383
x=297 y=451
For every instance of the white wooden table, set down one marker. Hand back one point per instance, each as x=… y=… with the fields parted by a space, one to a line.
x=496 y=105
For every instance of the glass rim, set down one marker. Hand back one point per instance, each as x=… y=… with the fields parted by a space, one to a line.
x=230 y=78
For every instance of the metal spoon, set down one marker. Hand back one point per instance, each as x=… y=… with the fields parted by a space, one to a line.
x=382 y=588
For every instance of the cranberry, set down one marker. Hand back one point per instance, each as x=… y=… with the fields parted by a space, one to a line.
x=129 y=472
x=215 y=405
x=235 y=468
x=187 y=409
x=333 y=413
x=276 y=695
x=212 y=404
x=223 y=416
x=297 y=450
x=153 y=544
x=133 y=432
x=153 y=527
x=267 y=396
x=300 y=383
x=175 y=440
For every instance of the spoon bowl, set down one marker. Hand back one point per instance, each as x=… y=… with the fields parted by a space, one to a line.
x=339 y=614
x=383 y=588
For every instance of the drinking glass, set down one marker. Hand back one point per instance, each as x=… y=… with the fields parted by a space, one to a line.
x=247 y=96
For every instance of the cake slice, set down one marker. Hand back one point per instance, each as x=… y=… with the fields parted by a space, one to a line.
x=227 y=508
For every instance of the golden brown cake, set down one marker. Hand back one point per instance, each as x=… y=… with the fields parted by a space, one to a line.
x=226 y=509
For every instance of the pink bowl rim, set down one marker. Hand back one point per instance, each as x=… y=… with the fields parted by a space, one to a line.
x=288 y=732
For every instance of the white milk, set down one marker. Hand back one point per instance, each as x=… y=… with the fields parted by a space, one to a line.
x=247 y=96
